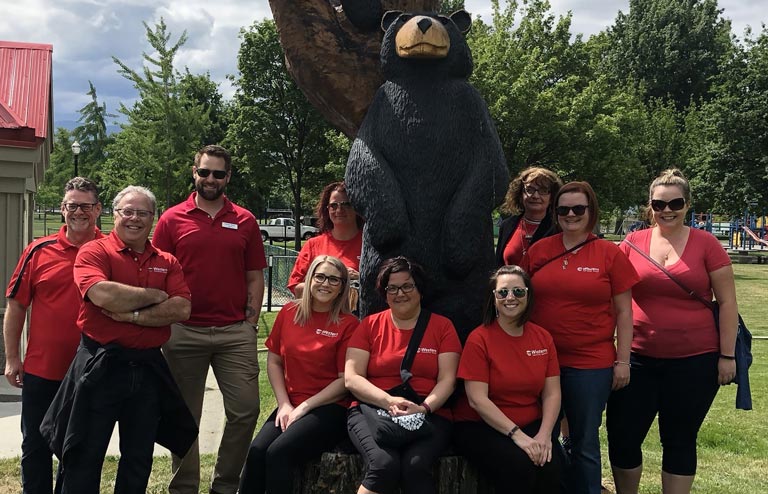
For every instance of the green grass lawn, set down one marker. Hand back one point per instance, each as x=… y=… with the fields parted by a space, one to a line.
x=733 y=444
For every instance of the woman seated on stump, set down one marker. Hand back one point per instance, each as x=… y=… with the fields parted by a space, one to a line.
x=373 y=369
x=305 y=366
x=512 y=380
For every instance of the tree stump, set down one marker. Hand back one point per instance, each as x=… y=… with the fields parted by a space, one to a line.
x=340 y=473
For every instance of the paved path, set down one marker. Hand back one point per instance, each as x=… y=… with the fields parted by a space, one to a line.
x=10 y=421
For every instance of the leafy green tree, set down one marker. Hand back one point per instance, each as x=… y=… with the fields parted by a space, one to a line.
x=278 y=140
x=451 y=6
x=60 y=169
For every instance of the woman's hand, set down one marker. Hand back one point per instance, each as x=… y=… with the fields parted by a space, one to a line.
x=353 y=274
x=400 y=406
x=545 y=441
x=282 y=416
x=296 y=414
x=726 y=371
x=620 y=376
x=530 y=446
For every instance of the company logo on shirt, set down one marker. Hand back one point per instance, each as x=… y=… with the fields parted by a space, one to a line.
x=431 y=351
x=326 y=333
x=536 y=353
x=155 y=269
x=584 y=269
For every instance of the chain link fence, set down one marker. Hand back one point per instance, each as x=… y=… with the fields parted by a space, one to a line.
x=280 y=263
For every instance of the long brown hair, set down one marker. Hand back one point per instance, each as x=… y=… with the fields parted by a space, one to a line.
x=340 y=304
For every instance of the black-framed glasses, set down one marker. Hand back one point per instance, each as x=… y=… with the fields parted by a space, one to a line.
x=517 y=292
x=578 y=210
x=531 y=190
x=130 y=213
x=321 y=278
x=675 y=204
x=333 y=206
x=217 y=174
x=85 y=207
x=405 y=288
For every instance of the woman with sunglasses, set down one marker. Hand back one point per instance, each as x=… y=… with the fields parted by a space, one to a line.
x=305 y=366
x=678 y=358
x=374 y=356
x=511 y=376
x=583 y=288
x=529 y=202
x=340 y=236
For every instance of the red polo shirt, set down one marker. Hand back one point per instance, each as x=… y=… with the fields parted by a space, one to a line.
x=215 y=253
x=109 y=259
x=348 y=251
x=43 y=278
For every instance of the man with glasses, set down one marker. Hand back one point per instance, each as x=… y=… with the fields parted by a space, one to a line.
x=43 y=280
x=130 y=294
x=219 y=246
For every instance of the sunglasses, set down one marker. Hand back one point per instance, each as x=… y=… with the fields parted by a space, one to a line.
x=405 y=288
x=85 y=207
x=321 y=278
x=333 y=206
x=217 y=174
x=517 y=292
x=675 y=204
x=577 y=210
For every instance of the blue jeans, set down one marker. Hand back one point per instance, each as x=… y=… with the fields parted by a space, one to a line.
x=585 y=393
x=36 y=458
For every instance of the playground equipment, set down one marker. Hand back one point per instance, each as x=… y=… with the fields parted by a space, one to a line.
x=746 y=232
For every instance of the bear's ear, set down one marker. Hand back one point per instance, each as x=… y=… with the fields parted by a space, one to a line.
x=388 y=18
x=462 y=20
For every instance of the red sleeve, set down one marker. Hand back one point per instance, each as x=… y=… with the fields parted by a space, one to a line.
x=716 y=257
x=161 y=237
x=361 y=338
x=22 y=290
x=553 y=366
x=474 y=364
x=622 y=274
x=175 y=284
x=349 y=324
x=449 y=340
x=254 y=251
x=91 y=267
x=302 y=264
x=273 y=340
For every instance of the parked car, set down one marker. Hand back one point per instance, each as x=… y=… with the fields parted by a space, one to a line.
x=284 y=229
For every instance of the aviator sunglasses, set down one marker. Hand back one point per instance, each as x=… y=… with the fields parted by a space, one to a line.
x=577 y=210
x=217 y=174
x=517 y=292
x=675 y=204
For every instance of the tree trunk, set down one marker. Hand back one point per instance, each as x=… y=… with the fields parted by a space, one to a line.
x=335 y=64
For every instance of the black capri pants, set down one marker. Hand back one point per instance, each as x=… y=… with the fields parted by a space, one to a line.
x=681 y=391
x=409 y=467
x=504 y=463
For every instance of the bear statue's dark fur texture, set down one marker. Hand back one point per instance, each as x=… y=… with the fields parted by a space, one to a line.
x=427 y=169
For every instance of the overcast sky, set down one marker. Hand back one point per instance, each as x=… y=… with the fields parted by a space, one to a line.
x=85 y=34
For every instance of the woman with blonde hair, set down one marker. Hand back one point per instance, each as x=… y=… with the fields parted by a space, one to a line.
x=305 y=365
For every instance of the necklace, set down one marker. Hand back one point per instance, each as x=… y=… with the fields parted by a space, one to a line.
x=525 y=238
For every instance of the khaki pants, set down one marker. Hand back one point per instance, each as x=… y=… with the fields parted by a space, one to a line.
x=231 y=352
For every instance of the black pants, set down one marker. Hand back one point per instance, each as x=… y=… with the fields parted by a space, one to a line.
x=36 y=458
x=409 y=467
x=680 y=391
x=274 y=454
x=504 y=463
x=128 y=394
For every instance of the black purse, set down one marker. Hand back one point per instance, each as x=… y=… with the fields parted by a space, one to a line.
x=743 y=349
x=395 y=432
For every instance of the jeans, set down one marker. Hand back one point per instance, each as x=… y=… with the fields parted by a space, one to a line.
x=585 y=393
x=36 y=458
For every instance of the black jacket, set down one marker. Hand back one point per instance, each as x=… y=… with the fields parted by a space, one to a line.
x=508 y=226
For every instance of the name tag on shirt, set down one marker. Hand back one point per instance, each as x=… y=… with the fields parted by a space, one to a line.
x=231 y=226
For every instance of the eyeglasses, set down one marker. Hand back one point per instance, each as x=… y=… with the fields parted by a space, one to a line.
x=517 y=292
x=130 y=213
x=321 y=278
x=530 y=190
x=405 y=288
x=333 y=206
x=577 y=210
x=85 y=207
x=217 y=174
x=675 y=204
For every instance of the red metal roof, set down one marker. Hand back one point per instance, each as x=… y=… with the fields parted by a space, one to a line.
x=25 y=89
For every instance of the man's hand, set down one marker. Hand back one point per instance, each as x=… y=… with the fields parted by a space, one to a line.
x=14 y=372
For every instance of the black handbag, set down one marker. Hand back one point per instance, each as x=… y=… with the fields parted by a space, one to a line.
x=395 y=432
x=743 y=349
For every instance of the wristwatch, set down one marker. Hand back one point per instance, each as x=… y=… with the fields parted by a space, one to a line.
x=135 y=316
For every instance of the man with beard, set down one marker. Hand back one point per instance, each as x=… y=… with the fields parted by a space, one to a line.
x=219 y=246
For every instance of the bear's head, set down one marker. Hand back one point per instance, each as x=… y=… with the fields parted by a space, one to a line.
x=425 y=45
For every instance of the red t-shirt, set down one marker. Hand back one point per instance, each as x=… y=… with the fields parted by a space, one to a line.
x=108 y=259
x=346 y=250
x=379 y=336
x=313 y=354
x=514 y=367
x=215 y=253
x=43 y=278
x=668 y=322
x=575 y=304
x=519 y=242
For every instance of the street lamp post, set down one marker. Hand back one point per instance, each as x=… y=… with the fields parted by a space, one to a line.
x=76 y=152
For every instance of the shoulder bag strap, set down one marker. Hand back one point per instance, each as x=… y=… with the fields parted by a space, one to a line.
x=666 y=272
x=575 y=247
x=413 y=344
